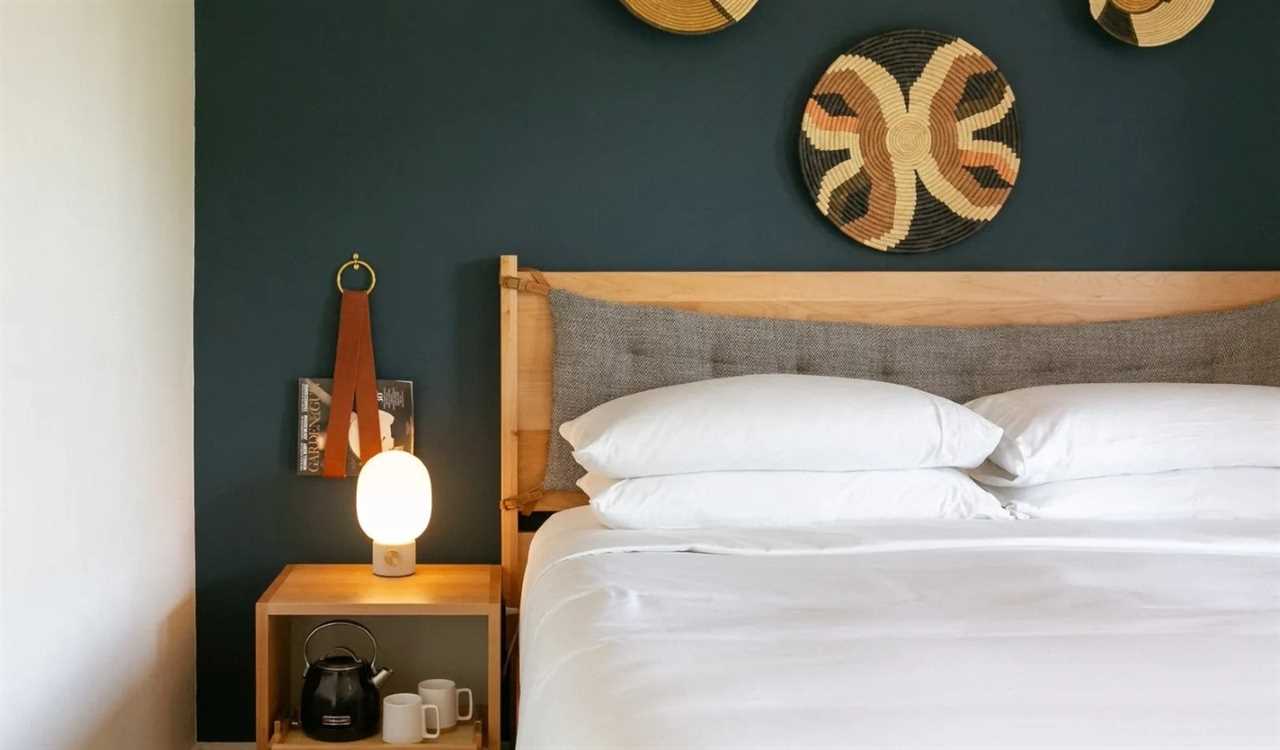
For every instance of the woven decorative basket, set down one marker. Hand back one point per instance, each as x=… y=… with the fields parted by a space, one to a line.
x=1149 y=23
x=909 y=142
x=690 y=16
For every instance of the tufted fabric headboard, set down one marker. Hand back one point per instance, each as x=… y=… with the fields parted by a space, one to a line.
x=568 y=345
x=604 y=350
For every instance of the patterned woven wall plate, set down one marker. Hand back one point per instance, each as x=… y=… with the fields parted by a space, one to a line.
x=1149 y=23
x=690 y=16
x=910 y=142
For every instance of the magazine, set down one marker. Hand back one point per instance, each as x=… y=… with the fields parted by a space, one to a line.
x=395 y=417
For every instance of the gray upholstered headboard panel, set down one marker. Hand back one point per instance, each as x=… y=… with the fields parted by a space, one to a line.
x=604 y=350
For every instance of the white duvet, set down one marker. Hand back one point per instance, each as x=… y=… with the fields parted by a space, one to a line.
x=952 y=634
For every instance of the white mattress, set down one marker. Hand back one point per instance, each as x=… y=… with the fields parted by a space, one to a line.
x=954 y=634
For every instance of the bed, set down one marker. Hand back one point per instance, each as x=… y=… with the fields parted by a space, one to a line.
x=1061 y=634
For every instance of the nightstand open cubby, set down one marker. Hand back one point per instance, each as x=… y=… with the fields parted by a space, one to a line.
x=463 y=605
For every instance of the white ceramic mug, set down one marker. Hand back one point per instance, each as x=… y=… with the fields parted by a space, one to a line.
x=404 y=719
x=444 y=695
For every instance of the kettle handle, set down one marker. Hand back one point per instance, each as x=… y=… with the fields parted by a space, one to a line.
x=306 y=659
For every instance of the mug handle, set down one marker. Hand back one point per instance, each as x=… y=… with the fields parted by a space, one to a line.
x=471 y=703
x=426 y=733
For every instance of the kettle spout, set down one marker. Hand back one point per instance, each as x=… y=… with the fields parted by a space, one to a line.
x=381 y=677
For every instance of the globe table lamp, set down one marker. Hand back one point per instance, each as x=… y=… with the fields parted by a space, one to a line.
x=393 y=506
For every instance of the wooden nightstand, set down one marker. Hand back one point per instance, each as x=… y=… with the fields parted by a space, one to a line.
x=352 y=591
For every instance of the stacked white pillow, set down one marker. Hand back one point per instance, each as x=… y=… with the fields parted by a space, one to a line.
x=1136 y=451
x=781 y=451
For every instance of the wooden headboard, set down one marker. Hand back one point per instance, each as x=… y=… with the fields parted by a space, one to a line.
x=892 y=298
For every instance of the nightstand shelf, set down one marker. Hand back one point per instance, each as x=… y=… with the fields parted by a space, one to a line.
x=467 y=735
x=304 y=592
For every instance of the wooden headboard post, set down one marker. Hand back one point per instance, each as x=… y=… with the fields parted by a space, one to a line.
x=889 y=298
x=509 y=309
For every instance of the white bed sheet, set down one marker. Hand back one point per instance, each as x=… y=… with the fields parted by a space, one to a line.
x=952 y=634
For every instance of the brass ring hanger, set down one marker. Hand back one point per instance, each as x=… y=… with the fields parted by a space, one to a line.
x=356 y=264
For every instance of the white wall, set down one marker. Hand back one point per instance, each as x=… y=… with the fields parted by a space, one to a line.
x=96 y=262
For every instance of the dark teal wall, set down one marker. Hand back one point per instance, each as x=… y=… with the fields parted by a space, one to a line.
x=434 y=135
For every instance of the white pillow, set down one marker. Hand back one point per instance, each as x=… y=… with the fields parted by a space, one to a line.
x=786 y=499
x=1239 y=493
x=777 y=422
x=1059 y=432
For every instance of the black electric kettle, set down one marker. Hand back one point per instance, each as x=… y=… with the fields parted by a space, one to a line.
x=340 y=699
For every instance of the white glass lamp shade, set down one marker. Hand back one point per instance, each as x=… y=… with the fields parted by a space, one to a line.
x=393 y=506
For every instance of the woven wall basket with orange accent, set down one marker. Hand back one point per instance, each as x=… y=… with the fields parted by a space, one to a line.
x=909 y=142
x=1149 y=23
x=690 y=16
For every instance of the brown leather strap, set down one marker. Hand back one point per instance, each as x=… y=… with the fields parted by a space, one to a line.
x=370 y=426
x=523 y=502
x=535 y=284
x=353 y=381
